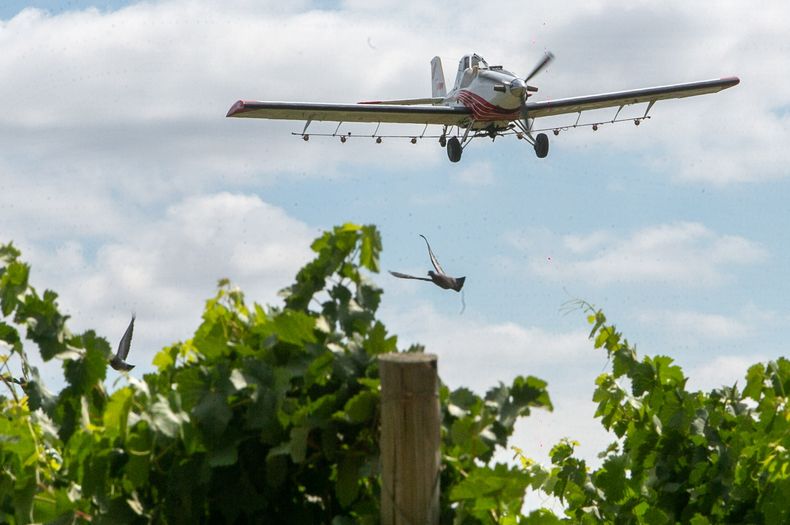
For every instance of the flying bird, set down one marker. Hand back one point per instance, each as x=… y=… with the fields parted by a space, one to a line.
x=118 y=361
x=439 y=278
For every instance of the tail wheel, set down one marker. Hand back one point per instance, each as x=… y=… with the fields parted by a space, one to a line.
x=541 y=145
x=454 y=149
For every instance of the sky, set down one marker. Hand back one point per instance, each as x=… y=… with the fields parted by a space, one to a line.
x=127 y=189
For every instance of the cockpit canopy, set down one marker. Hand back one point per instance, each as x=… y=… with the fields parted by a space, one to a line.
x=469 y=61
x=474 y=61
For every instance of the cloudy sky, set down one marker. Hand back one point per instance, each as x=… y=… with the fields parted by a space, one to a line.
x=128 y=189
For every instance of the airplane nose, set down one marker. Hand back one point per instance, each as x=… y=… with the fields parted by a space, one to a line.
x=517 y=87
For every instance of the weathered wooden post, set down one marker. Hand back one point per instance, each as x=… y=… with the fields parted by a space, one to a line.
x=410 y=438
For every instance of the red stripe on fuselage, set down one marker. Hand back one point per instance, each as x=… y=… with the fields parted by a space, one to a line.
x=483 y=109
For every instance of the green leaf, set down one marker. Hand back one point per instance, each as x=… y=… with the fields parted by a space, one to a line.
x=164 y=419
x=210 y=339
x=86 y=371
x=117 y=412
x=13 y=283
x=45 y=324
x=298 y=444
x=371 y=246
x=294 y=327
x=611 y=478
x=360 y=407
x=223 y=457
x=212 y=415
x=642 y=378
x=755 y=380
x=541 y=517
x=347 y=485
x=9 y=334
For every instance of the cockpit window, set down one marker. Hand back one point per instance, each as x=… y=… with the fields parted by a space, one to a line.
x=477 y=61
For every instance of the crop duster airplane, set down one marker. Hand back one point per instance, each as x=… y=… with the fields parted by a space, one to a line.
x=485 y=101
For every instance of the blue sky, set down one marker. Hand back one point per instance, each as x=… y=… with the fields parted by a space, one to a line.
x=127 y=189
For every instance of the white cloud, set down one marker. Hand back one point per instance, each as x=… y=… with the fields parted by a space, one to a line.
x=476 y=174
x=681 y=253
x=477 y=354
x=163 y=267
x=721 y=371
x=145 y=88
x=586 y=243
x=697 y=325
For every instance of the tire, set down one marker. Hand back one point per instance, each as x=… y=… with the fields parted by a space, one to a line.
x=541 y=145
x=454 y=149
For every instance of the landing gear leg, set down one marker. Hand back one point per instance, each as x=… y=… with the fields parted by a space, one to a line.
x=443 y=137
x=541 y=145
x=454 y=149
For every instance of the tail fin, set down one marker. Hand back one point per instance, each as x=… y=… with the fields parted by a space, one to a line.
x=459 y=283
x=437 y=78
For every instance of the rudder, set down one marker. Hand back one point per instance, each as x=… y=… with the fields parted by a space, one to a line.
x=438 y=88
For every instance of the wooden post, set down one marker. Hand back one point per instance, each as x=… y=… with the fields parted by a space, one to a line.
x=410 y=438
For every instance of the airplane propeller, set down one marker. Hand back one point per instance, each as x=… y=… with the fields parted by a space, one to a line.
x=547 y=58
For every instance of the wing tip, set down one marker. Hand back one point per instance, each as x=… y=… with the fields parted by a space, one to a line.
x=238 y=107
x=731 y=81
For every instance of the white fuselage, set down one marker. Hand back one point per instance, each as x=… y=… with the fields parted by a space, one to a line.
x=493 y=94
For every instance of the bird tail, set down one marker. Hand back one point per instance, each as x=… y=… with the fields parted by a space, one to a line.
x=459 y=283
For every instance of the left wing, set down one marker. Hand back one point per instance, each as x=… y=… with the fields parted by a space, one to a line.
x=370 y=112
x=434 y=261
x=126 y=341
x=624 y=98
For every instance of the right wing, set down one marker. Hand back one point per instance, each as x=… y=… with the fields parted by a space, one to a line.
x=406 y=276
x=368 y=112
x=624 y=98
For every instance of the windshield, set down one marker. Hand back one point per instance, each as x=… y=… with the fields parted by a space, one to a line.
x=478 y=61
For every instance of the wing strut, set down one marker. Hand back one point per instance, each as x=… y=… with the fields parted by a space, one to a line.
x=650 y=105
x=618 y=112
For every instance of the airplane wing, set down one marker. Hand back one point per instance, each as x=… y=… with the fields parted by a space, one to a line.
x=404 y=114
x=624 y=98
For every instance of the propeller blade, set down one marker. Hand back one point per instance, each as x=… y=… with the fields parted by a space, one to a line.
x=538 y=68
x=547 y=58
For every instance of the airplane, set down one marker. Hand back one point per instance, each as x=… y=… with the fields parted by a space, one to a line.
x=485 y=101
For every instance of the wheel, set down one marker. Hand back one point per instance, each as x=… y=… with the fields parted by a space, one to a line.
x=442 y=141
x=541 y=145
x=454 y=149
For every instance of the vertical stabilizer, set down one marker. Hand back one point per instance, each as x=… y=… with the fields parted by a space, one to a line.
x=437 y=78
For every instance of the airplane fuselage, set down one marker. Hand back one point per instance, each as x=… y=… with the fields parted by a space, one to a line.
x=492 y=94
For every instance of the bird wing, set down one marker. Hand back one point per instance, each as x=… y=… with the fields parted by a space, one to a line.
x=126 y=341
x=405 y=276
x=435 y=263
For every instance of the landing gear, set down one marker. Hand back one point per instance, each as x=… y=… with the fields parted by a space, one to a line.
x=541 y=145
x=454 y=149
x=442 y=141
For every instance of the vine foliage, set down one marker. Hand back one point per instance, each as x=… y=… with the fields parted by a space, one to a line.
x=681 y=456
x=265 y=415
